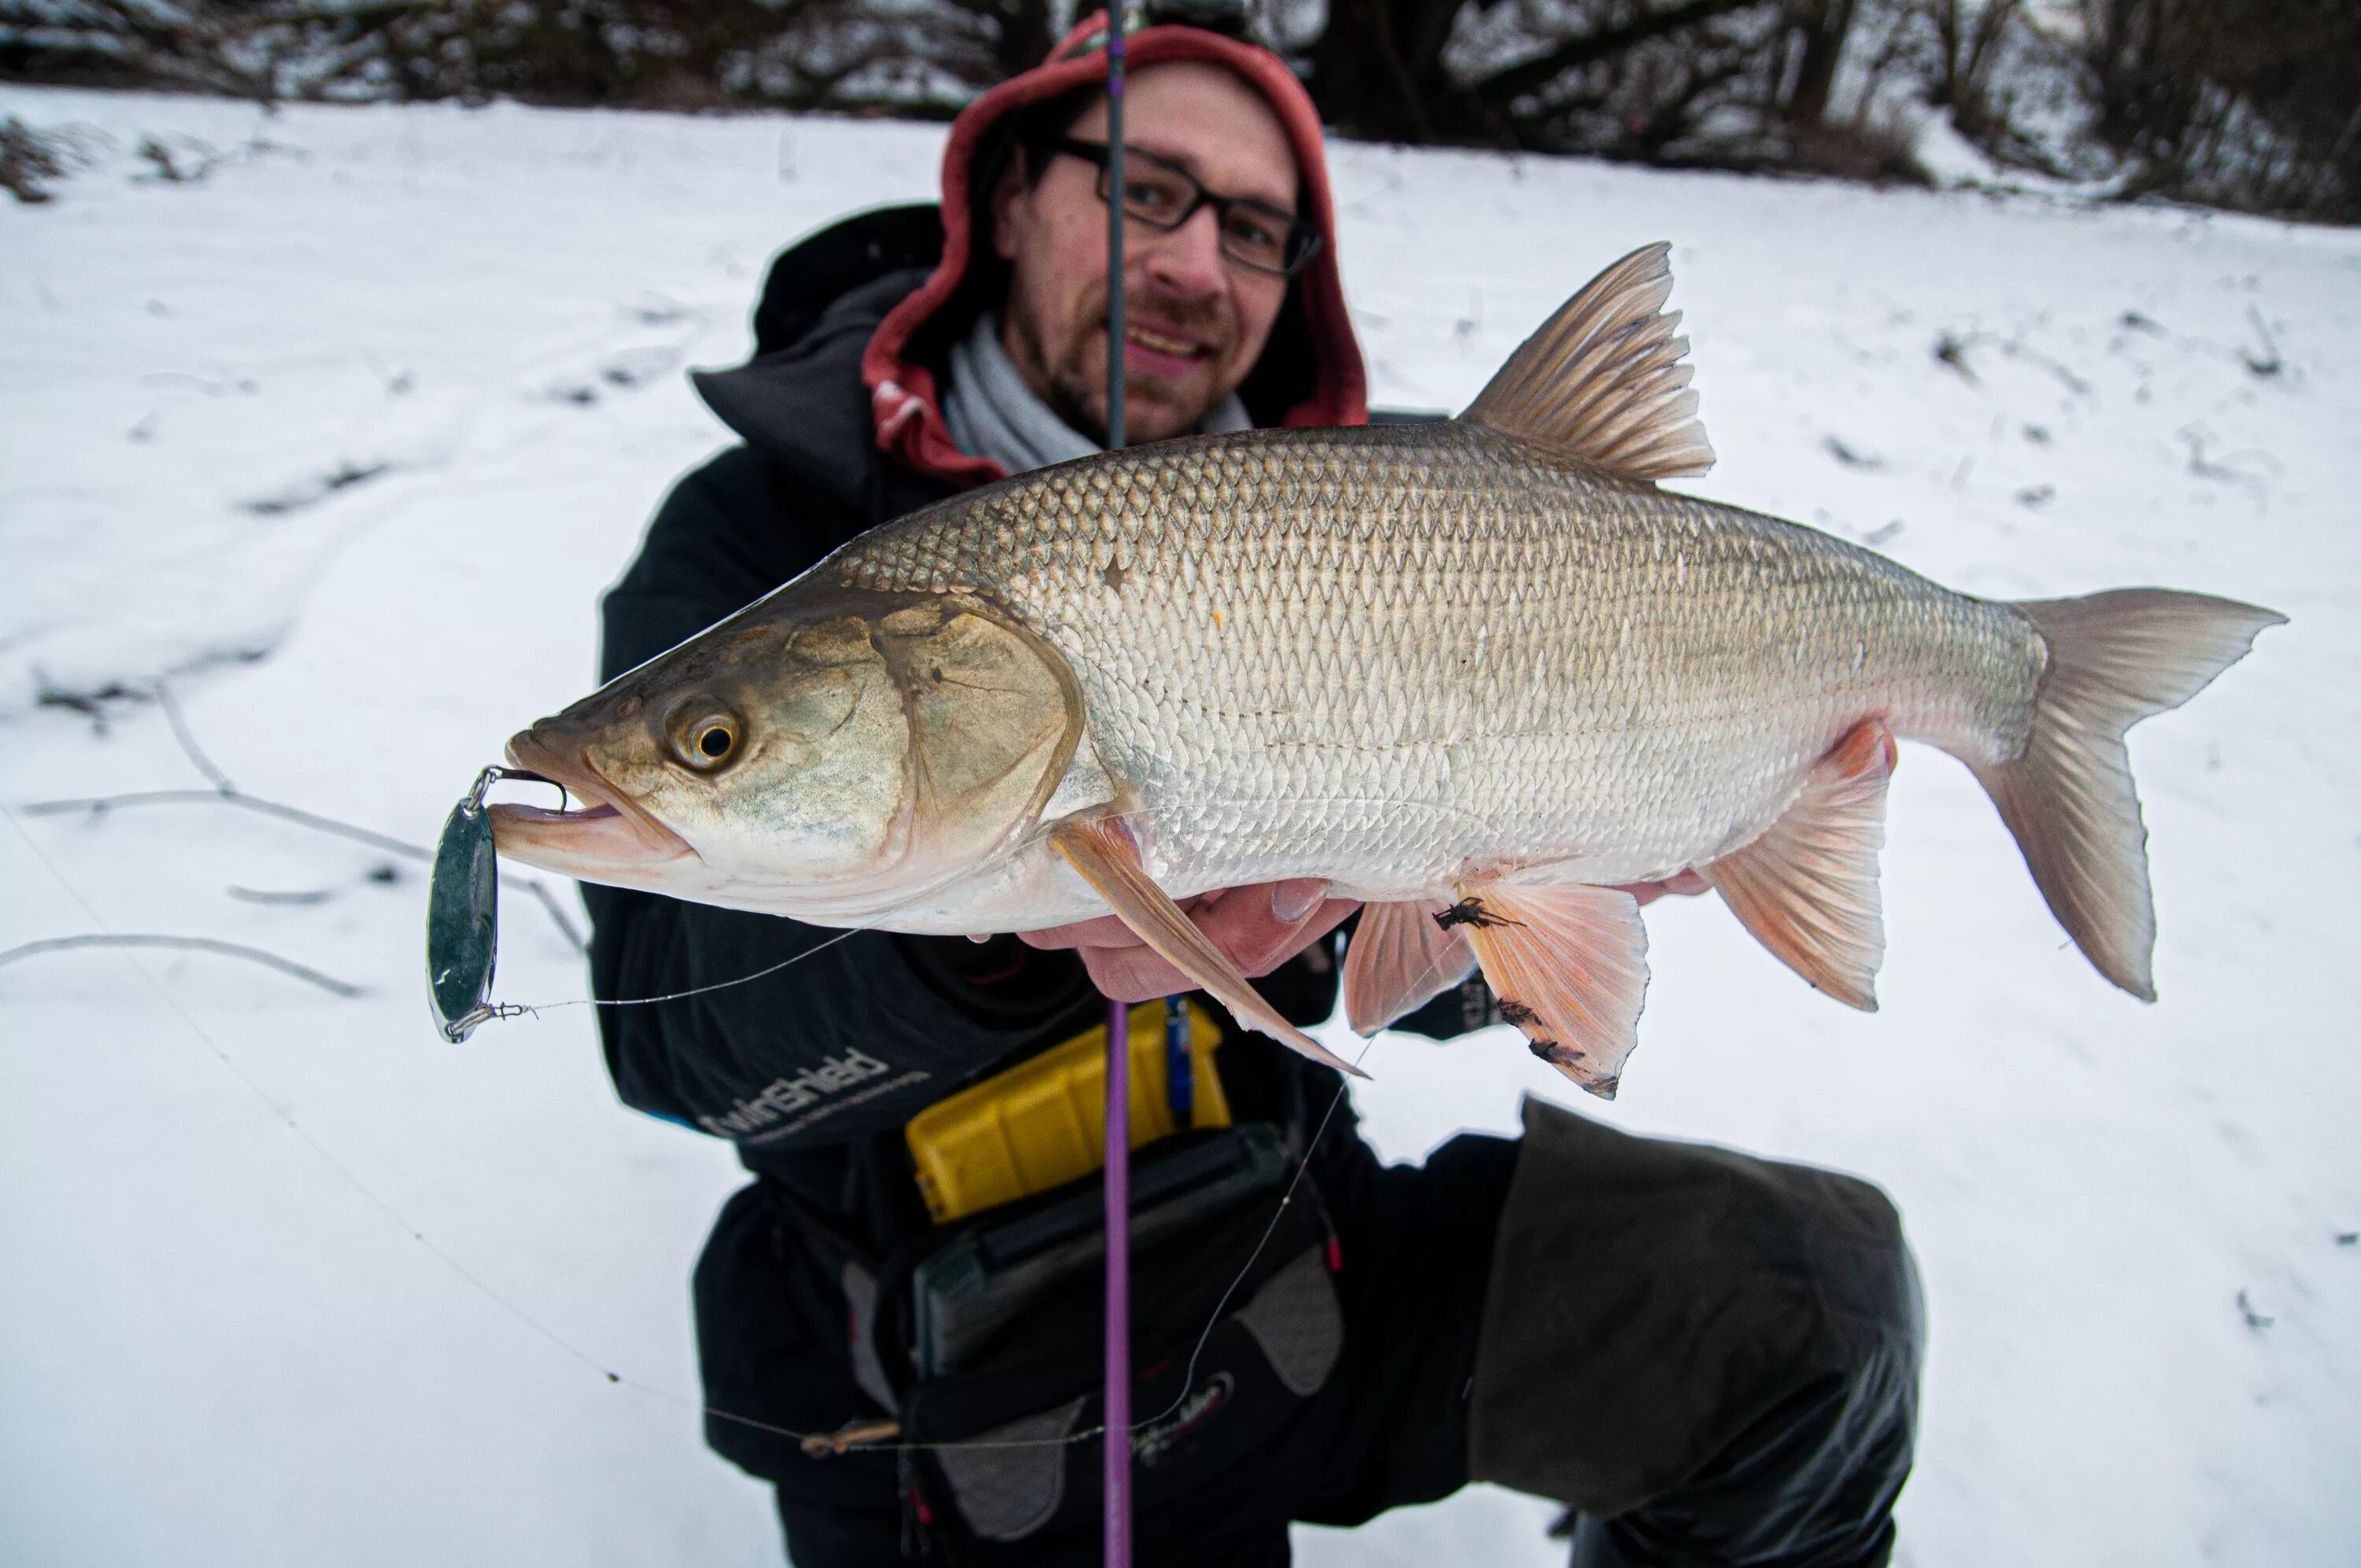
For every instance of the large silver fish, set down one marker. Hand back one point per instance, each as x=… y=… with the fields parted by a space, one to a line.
x=1474 y=673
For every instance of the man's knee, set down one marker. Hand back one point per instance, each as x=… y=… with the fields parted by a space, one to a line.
x=1651 y=1304
x=1844 y=1237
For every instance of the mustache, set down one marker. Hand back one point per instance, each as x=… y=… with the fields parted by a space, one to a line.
x=1205 y=318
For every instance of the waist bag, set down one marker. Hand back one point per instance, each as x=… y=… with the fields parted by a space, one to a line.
x=991 y=1335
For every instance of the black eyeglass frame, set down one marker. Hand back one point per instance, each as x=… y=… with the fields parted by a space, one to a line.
x=1302 y=242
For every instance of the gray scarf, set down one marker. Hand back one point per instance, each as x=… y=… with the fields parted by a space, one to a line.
x=993 y=414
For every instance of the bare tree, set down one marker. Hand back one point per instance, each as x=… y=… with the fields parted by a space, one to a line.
x=1967 y=48
x=2254 y=104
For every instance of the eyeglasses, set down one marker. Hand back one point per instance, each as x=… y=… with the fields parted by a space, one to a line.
x=1164 y=195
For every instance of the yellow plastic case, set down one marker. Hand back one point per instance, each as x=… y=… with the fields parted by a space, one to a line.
x=1043 y=1121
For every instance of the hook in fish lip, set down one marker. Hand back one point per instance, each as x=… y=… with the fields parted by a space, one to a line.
x=517 y=811
x=499 y=774
x=531 y=759
x=605 y=830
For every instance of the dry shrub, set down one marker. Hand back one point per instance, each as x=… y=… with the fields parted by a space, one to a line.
x=28 y=160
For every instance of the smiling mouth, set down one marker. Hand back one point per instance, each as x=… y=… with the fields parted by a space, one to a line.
x=1161 y=343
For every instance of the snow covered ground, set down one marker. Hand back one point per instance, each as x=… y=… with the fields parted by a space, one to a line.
x=345 y=437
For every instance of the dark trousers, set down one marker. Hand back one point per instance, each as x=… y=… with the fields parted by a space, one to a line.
x=1713 y=1359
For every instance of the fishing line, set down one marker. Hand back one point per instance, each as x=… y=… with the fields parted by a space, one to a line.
x=394 y=1216
x=1039 y=832
x=514 y=1009
x=922 y=892
x=350 y=1178
x=1188 y=1378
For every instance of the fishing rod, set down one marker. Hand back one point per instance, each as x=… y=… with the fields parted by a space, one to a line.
x=1115 y=1481
x=463 y=934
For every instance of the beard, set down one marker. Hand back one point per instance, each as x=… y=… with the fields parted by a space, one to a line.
x=1077 y=387
x=1080 y=400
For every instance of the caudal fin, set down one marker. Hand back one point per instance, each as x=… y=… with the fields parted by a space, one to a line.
x=2115 y=659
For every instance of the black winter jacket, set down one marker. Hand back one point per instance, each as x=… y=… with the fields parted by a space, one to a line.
x=812 y=1070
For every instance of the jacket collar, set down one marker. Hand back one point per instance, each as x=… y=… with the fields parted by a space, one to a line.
x=801 y=402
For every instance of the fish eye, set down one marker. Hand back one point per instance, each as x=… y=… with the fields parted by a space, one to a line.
x=705 y=738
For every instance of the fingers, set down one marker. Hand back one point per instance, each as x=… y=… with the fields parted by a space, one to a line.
x=1132 y=974
x=1106 y=931
x=1261 y=931
x=1291 y=901
x=1258 y=928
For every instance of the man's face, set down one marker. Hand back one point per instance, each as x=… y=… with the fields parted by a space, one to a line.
x=1196 y=320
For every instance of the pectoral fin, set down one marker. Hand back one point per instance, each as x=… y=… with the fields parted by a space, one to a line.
x=1103 y=853
x=1400 y=958
x=1570 y=967
x=1808 y=888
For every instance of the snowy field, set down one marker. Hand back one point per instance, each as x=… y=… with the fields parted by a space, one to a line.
x=345 y=437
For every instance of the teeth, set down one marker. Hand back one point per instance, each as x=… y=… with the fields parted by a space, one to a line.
x=1161 y=344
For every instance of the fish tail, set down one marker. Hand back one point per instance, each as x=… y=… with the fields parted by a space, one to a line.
x=2114 y=659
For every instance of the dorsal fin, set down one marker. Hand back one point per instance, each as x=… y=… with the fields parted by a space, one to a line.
x=1601 y=381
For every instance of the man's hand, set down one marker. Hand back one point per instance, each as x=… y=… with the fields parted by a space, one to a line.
x=1259 y=926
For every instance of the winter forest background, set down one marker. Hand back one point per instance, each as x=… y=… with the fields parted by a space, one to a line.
x=341 y=353
x=2250 y=105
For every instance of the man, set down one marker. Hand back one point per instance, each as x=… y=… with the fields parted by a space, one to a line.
x=1712 y=1359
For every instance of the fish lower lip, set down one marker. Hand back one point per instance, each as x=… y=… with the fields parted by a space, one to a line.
x=603 y=834
x=544 y=814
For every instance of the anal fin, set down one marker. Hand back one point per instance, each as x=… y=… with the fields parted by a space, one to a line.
x=1569 y=965
x=1808 y=888
x=1104 y=854
x=1400 y=958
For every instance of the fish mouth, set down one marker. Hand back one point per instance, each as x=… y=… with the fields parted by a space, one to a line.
x=606 y=835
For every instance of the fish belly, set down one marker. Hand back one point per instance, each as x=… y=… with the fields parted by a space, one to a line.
x=1401 y=656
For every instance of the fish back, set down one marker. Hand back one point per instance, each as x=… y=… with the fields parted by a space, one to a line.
x=1387 y=654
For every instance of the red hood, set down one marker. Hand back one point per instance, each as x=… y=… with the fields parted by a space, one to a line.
x=903 y=396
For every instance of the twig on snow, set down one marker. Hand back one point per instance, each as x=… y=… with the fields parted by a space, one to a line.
x=268 y=895
x=548 y=900
x=226 y=792
x=99 y=806
x=1951 y=350
x=189 y=747
x=326 y=982
x=2268 y=363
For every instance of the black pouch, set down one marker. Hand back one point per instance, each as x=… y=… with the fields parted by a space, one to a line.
x=1229 y=1270
x=1007 y=1266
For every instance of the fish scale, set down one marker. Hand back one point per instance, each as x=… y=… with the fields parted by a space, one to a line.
x=1390 y=655
x=1475 y=673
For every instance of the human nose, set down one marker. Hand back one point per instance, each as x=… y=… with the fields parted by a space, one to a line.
x=1188 y=260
